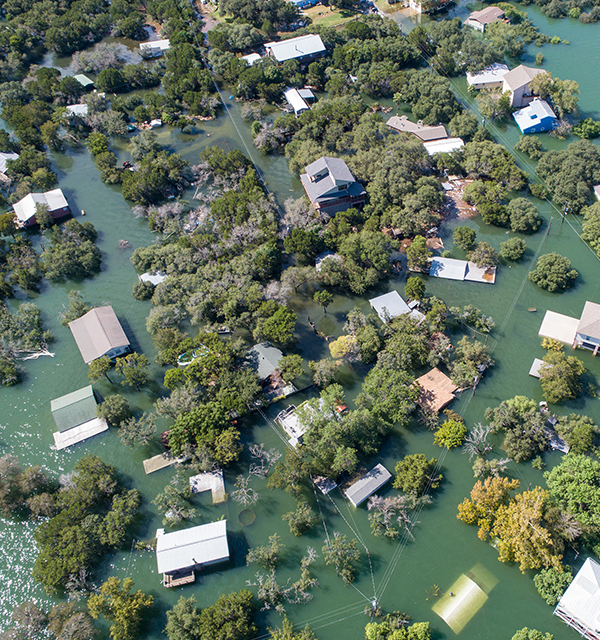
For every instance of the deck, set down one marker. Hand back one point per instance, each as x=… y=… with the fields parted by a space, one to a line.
x=69 y=437
x=559 y=327
x=211 y=481
x=178 y=580
x=161 y=461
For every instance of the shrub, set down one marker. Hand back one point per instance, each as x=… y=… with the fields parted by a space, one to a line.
x=553 y=272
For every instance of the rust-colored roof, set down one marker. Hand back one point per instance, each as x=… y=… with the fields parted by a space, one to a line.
x=437 y=390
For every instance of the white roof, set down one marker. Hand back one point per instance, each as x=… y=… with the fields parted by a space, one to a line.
x=443 y=146
x=533 y=114
x=188 y=548
x=535 y=368
x=490 y=75
x=296 y=47
x=360 y=490
x=251 y=58
x=307 y=94
x=391 y=305
x=4 y=157
x=153 y=278
x=580 y=603
x=155 y=45
x=597 y=191
x=77 y=109
x=448 y=268
x=558 y=326
x=25 y=208
x=63 y=439
x=295 y=99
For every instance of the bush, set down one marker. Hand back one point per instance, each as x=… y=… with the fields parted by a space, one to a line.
x=142 y=290
x=524 y=217
x=551 y=583
x=451 y=434
x=464 y=238
x=530 y=145
x=513 y=249
x=553 y=272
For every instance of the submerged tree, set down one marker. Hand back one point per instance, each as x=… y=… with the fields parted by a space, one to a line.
x=342 y=554
x=174 y=501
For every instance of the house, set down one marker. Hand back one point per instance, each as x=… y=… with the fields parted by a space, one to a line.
x=536 y=117
x=303 y=48
x=84 y=81
x=75 y=418
x=154 y=48
x=425 y=133
x=264 y=359
x=481 y=19
x=181 y=553
x=26 y=208
x=437 y=390
x=296 y=101
x=99 y=333
x=587 y=334
x=251 y=58
x=78 y=110
x=153 y=278
x=367 y=485
x=443 y=146
x=4 y=158
x=296 y=425
x=517 y=83
x=391 y=305
x=305 y=4
x=331 y=187
x=453 y=269
x=579 y=606
x=490 y=78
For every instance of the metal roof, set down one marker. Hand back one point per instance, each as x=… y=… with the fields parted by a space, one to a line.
x=251 y=58
x=74 y=408
x=97 y=332
x=589 y=323
x=84 y=81
x=359 y=491
x=153 y=278
x=389 y=305
x=579 y=606
x=25 y=209
x=296 y=101
x=296 y=47
x=264 y=358
x=64 y=439
x=448 y=268
x=487 y=15
x=490 y=75
x=155 y=45
x=443 y=146
x=4 y=158
x=77 y=109
x=188 y=548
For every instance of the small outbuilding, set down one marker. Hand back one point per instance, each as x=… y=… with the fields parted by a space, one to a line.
x=154 y=48
x=481 y=19
x=367 y=485
x=490 y=78
x=84 y=81
x=181 y=553
x=296 y=101
x=251 y=58
x=303 y=48
x=210 y=481
x=75 y=418
x=155 y=278
x=437 y=390
x=78 y=110
x=536 y=117
x=26 y=208
x=579 y=606
x=536 y=367
x=448 y=145
x=391 y=305
x=99 y=333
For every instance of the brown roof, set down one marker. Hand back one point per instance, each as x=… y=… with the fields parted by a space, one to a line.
x=97 y=332
x=520 y=76
x=487 y=15
x=589 y=323
x=423 y=132
x=437 y=390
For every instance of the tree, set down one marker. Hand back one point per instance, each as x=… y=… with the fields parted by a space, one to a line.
x=174 y=501
x=395 y=626
x=344 y=347
x=531 y=146
x=484 y=255
x=286 y=632
x=325 y=371
x=115 y=410
x=418 y=254
x=531 y=634
x=464 y=238
x=77 y=308
x=553 y=272
x=267 y=555
x=324 y=298
x=138 y=431
x=134 y=369
x=563 y=93
x=451 y=434
x=291 y=367
x=278 y=328
x=302 y=519
x=183 y=620
x=342 y=553
x=98 y=368
x=552 y=583
x=472 y=358
x=524 y=216
x=230 y=618
x=578 y=431
x=414 y=289
x=415 y=474
x=7 y=224
x=201 y=425
x=560 y=376
x=124 y=609
x=513 y=249
x=289 y=475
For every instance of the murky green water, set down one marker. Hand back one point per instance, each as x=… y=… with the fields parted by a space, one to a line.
x=401 y=574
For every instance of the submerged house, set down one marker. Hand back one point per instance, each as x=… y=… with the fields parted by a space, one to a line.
x=84 y=81
x=481 y=19
x=78 y=110
x=75 y=418
x=391 y=305
x=536 y=117
x=453 y=269
x=154 y=48
x=181 y=553
x=491 y=77
x=264 y=359
x=518 y=85
x=26 y=208
x=579 y=606
x=367 y=485
x=331 y=187
x=99 y=333
x=587 y=334
x=437 y=390
x=424 y=132
x=303 y=48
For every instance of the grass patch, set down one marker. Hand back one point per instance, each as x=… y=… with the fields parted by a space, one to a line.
x=384 y=6
x=329 y=18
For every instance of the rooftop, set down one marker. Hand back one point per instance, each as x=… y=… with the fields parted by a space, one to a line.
x=4 y=158
x=84 y=81
x=153 y=278
x=74 y=408
x=423 y=132
x=533 y=114
x=295 y=100
x=251 y=58
x=77 y=109
x=491 y=74
x=391 y=305
x=329 y=178
x=589 y=323
x=443 y=146
x=296 y=47
x=64 y=439
x=366 y=486
x=579 y=606
x=558 y=326
x=535 y=368
x=437 y=390
x=264 y=358
x=211 y=481
x=487 y=15
x=155 y=45
x=453 y=269
x=520 y=76
x=188 y=548
x=25 y=209
x=97 y=332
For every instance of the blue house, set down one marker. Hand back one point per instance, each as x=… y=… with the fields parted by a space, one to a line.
x=304 y=4
x=535 y=117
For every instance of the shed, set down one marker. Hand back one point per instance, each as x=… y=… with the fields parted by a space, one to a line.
x=191 y=549
x=324 y=485
x=99 y=333
x=490 y=78
x=251 y=58
x=79 y=110
x=154 y=48
x=296 y=101
x=536 y=117
x=443 y=146
x=4 y=158
x=366 y=486
x=75 y=417
x=437 y=390
x=306 y=94
x=579 y=606
x=391 y=305
x=301 y=48
x=84 y=81
x=264 y=358
x=26 y=208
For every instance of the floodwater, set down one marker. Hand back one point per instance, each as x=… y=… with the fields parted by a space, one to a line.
x=402 y=575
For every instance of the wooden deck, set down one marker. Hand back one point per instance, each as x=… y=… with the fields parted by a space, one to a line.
x=211 y=481
x=178 y=580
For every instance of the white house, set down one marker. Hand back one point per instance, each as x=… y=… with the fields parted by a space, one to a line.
x=302 y=48
x=579 y=606
x=154 y=48
x=391 y=305
x=443 y=146
x=296 y=101
x=26 y=208
x=78 y=110
x=251 y=58
x=481 y=19
x=491 y=77
x=4 y=158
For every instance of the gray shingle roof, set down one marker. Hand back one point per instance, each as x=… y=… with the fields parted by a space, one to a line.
x=97 y=332
x=359 y=491
x=520 y=76
x=264 y=358
x=325 y=176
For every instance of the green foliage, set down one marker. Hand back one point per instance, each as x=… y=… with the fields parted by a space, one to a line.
x=323 y=298
x=139 y=430
x=124 y=609
x=530 y=145
x=291 y=367
x=77 y=308
x=395 y=627
x=524 y=217
x=553 y=272
x=531 y=634
x=142 y=290
x=99 y=368
x=591 y=227
x=418 y=254
x=267 y=555
x=302 y=519
x=560 y=377
x=564 y=94
x=286 y=632
x=578 y=431
x=342 y=554
x=174 y=501
x=471 y=359
x=513 y=249
x=451 y=434
x=290 y=475
x=587 y=128
x=115 y=410
x=552 y=583
x=19 y=487
x=325 y=371
x=277 y=328
x=484 y=255
x=414 y=474
x=414 y=288
x=464 y=238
